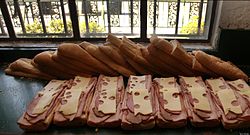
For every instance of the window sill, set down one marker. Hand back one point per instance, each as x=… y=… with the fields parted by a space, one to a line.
x=39 y=45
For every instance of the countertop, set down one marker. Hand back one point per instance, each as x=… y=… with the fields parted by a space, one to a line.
x=16 y=93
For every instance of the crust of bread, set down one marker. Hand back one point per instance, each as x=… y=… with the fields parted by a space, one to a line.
x=78 y=64
x=114 y=53
x=98 y=54
x=70 y=67
x=74 y=51
x=177 y=67
x=188 y=59
x=8 y=71
x=114 y=40
x=48 y=65
x=133 y=51
x=220 y=67
x=24 y=67
x=163 y=69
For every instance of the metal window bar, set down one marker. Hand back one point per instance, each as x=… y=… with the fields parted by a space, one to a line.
x=177 y=17
x=143 y=15
x=7 y=18
x=108 y=15
x=64 y=17
x=86 y=17
x=19 y=14
x=1 y=26
x=154 y=19
x=132 y=16
x=41 y=16
x=74 y=19
x=31 y=9
x=200 y=17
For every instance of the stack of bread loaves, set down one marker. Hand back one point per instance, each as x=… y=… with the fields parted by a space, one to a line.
x=123 y=57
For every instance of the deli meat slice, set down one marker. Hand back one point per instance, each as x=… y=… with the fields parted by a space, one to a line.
x=198 y=102
x=138 y=108
x=234 y=109
x=171 y=112
x=241 y=87
x=40 y=111
x=105 y=108
x=74 y=102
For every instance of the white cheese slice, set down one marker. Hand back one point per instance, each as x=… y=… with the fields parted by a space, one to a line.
x=108 y=95
x=225 y=95
x=46 y=96
x=140 y=94
x=198 y=93
x=242 y=87
x=168 y=88
x=71 y=96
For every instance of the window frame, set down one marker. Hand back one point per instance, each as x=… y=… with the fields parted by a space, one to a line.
x=76 y=31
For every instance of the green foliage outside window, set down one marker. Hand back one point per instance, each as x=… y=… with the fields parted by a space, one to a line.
x=56 y=26
x=192 y=26
x=35 y=27
x=93 y=27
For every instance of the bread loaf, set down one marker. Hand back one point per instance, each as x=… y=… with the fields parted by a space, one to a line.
x=23 y=67
x=74 y=51
x=220 y=67
x=98 y=54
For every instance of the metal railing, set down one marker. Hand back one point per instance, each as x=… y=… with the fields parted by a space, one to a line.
x=93 y=19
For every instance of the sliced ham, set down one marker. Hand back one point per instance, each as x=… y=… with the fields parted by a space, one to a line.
x=166 y=116
x=109 y=94
x=81 y=90
x=198 y=102
x=41 y=110
x=139 y=109
x=234 y=109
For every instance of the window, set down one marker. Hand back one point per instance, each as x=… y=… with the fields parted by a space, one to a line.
x=93 y=19
x=3 y=30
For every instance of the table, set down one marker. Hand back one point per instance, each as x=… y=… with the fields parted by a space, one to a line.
x=16 y=93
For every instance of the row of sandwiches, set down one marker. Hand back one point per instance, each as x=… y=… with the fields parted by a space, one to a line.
x=145 y=103
x=116 y=57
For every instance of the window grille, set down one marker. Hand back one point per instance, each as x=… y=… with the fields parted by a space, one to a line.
x=94 y=19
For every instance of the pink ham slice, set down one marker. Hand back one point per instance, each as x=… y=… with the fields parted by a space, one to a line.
x=231 y=120
x=78 y=118
x=165 y=117
x=40 y=122
x=98 y=118
x=130 y=120
x=199 y=118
